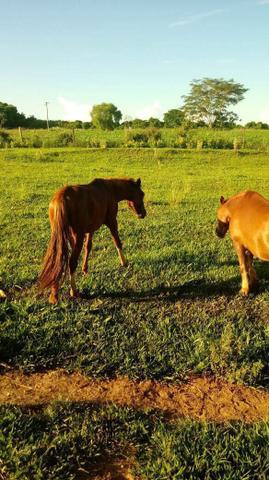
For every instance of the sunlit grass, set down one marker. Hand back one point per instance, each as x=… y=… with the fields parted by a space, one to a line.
x=198 y=138
x=177 y=303
x=174 y=311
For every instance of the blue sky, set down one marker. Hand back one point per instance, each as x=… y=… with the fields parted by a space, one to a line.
x=140 y=55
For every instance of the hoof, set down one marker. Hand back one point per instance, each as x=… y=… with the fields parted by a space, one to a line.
x=125 y=264
x=2 y=295
x=74 y=294
x=53 y=300
x=85 y=269
x=244 y=292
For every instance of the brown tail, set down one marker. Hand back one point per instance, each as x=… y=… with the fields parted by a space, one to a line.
x=56 y=259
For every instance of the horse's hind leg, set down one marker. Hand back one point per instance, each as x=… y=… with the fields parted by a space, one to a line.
x=253 y=280
x=113 y=227
x=54 y=294
x=88 y=247
x=241 y=253
x=73 y=262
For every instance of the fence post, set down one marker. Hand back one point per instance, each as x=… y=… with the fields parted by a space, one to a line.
x=20 y=134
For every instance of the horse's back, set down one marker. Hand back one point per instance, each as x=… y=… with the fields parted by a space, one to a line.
x=251 y=202
x=86 y=204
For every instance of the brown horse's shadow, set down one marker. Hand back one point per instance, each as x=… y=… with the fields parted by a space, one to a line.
x=190 y=290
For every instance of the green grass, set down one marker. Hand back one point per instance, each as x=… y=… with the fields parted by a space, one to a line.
x=173 y=311
x=176 y=308
x=238 y=138
x=54 y=442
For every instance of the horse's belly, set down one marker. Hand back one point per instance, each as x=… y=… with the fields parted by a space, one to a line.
x=262 y=255
x=253 y=233
x=265 y=259
x=92 y=222
x=259 y=247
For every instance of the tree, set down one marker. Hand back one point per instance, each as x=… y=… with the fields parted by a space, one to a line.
x=173 y=118
x=210 y=98
x=225 y=120
x=106 y=116
x=258 y=125
x=155 y=122
x=139 y=123
x=10 y=117
x=33 y=122
x=3 y=119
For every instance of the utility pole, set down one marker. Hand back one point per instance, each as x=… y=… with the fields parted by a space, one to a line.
x=46 y=105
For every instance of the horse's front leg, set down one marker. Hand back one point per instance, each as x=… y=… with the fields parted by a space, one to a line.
x=241 y=253
x=73 y=262
x=88 y=247
x=113 y=227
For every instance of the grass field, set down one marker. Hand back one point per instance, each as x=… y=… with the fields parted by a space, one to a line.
x=173 y=312
x=198 y=138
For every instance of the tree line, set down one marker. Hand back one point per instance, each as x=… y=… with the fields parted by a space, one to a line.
x=207 y=105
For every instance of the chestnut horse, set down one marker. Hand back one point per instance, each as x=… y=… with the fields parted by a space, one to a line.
x=76 y=212
x=246 y=216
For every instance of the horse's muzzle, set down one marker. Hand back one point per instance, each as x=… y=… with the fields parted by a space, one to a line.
x=142 y=215
x=221 y=229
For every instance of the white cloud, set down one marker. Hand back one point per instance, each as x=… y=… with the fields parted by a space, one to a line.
x=196 y=18
x=74 y=111
x=264 y=116
x=154 y=110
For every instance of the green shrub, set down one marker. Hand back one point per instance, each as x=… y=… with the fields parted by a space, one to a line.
x=138 y=137
x=154 y=134
x=64 y=139
x=5 y=139
x=93 y=143
x=37 y=142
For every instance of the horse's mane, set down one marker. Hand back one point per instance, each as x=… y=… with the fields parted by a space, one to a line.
x=114 y=180
x=238 y=195
x=121 y=179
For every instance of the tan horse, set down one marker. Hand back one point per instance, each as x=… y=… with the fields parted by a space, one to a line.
x=75 y=213
x=246 y=216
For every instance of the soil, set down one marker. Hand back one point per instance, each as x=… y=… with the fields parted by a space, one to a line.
x=200 y=398
x=108 y=469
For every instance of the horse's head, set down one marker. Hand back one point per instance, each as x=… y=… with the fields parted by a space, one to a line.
x=136 y=202
x=223 y=219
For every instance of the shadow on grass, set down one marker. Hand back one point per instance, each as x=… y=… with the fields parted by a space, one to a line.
x=262 y=269
x=193 y=289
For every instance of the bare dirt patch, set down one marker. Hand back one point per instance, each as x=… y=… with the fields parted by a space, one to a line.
x=108 y=468
x=201 y=398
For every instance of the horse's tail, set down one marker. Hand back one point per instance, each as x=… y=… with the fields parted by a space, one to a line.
x=56 y=259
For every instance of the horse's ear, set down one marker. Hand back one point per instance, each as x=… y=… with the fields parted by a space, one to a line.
x=138 y=182
x=222 y=200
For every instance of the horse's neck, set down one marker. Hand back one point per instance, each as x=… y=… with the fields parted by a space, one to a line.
x=121 y=190
x=232 y=205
